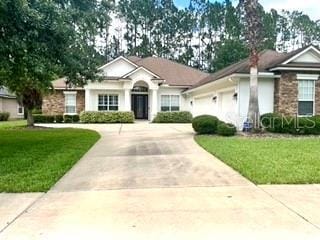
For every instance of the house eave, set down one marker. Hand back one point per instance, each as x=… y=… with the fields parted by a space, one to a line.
x=295 y=69
x=230 y=77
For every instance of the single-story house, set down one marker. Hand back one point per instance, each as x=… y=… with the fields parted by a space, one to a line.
x=9 y=103
x=288 y=84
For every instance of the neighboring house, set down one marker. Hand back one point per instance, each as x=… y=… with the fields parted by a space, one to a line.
x=288 y=83
x=9 y=103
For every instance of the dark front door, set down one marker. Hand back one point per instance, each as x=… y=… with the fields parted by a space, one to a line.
x=139 y=105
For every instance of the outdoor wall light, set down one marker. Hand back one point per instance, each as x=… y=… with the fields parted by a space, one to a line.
x=191 y=103
x=214 y=99
x=235 y=96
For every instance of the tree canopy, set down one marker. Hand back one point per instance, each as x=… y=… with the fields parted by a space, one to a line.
x=41 y=40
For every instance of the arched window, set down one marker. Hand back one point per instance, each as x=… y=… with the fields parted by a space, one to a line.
x=139 y=89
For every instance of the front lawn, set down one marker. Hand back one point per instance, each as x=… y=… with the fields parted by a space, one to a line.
x=13 y=124
x=33 y=160
x=268 y=160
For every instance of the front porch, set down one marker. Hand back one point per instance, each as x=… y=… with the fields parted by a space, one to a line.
x=140 y=97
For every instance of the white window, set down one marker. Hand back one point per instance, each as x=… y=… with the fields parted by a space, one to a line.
x=170 y=103
x=306 y=97
x=70 y=102
x=20 y=109
x=108 y=102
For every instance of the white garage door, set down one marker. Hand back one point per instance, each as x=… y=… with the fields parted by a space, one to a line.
x=227 y=106
x=203 y=105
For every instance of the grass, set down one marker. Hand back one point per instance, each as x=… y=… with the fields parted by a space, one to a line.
x=13 y=124
x=33 y=160
x=268 y=160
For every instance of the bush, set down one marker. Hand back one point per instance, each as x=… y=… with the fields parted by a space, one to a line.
x=4 y=116
x=71 y=118
x=59 y=118
x=39 y=118
x=36 y=111
x=273 y=122
x=107 y=117
x=205 y=124
x=226 y=129
x=173 y=117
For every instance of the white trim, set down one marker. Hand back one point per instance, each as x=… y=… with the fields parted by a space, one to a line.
x=303 y=100
x=308 y=76
x=117 y=59
x=139 y=68
x=108 y=105
x=18 y=106
x=170 y=105
x=301 y=53
x=295 y=68
x=70 y=92
x=234 y=75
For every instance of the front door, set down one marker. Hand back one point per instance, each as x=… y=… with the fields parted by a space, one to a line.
x=139 y=105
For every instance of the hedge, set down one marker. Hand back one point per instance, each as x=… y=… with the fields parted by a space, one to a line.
x=107 y=117
x=71 y=118
x=226 y=129
x=59 y=118
x=39 y=118
x=205 y=124
x=173 y=117
x=4 y=116
x=276 y=123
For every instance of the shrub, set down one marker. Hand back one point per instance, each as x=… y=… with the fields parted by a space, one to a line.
x=276 y=123
x=39 y=118
x=4 y=116
x=107 y=117
x=59 y=118
x=205 y=124
x=226 y=129
x=173 y=117
x=36 y=111
x=71 y=118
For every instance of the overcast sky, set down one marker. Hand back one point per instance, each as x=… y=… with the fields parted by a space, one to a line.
x=311 y=7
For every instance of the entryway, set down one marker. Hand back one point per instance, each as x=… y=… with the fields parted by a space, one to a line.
x=139 y=105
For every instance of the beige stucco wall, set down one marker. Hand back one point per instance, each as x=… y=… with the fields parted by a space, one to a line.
x=10 y=105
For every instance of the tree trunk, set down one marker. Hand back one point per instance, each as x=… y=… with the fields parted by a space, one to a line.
x=30 y=120
x=253 y=112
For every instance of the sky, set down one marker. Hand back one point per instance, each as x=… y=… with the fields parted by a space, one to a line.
x=310 y=7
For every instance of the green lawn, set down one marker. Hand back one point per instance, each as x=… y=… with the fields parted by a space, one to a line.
x=13 y=124
x=268 y=160
x=33 y=160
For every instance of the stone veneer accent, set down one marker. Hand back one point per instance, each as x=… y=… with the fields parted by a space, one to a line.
x=286 y=94
x=317 y=97
x=53 y=104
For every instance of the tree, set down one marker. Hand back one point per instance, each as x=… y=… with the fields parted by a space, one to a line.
x=253 y=24
x=42 y=40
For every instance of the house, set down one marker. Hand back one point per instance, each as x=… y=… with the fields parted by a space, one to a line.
x=287 y=84
x=9 y=103
x=144 y=86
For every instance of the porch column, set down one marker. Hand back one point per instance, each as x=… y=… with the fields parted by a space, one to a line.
x=127 y=106
x=154 y=105
x=87 y=100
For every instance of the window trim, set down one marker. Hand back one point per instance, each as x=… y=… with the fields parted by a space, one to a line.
x=20 y=106
x=74 y=93
x=108 y=103
x=170 y=102
x=304 y=77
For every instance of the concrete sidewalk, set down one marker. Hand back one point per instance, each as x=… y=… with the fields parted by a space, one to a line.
x=149 y=181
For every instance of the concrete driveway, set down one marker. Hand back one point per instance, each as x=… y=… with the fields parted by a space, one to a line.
x=147 y=181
